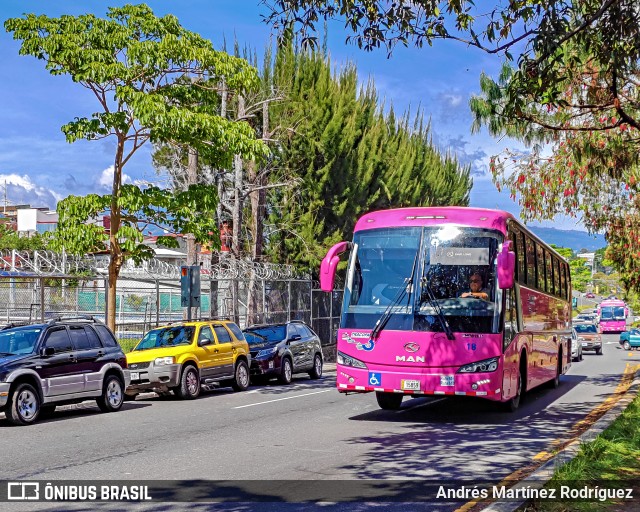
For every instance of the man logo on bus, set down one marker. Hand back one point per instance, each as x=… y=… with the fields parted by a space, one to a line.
x=412 y=347
x=356 y=336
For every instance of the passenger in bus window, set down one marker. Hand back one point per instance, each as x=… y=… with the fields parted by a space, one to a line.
x=476 y=287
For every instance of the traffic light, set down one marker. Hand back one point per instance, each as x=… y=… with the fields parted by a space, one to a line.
x=190 y=286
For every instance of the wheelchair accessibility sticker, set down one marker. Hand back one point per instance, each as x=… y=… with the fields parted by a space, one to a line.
x=375 y=379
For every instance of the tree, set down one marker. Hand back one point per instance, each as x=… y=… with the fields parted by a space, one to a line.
x=582 y=129
x=147 y=74
x=9 y=240
x=349 y=157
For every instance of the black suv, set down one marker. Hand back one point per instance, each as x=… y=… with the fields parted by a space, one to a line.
x=280 y=350
x=62 y=361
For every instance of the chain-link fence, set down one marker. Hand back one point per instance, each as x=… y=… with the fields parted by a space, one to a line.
x=142 y=304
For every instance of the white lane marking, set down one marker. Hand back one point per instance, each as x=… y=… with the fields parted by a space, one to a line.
x=285 y=398
x=421 y=405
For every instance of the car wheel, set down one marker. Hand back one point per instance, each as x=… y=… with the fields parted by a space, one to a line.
x=24 y=405
x=626 y=345
x=112 y=396
x=189 y=387
x=241 y=376
x=389 y=401
x=581 y=357
x=286 y=372
x=599 y=351
x=316 y=371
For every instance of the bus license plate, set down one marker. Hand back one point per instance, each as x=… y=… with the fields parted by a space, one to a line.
x=135 y=376
x=411 y=384
x=446 y=380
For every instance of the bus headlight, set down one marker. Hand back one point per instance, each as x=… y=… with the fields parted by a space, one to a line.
x=346 y=360
x=487 y=365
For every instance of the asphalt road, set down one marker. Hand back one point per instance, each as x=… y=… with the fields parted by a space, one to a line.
x=307 y=431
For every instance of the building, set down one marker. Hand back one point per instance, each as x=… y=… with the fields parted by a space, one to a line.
x=35 y=220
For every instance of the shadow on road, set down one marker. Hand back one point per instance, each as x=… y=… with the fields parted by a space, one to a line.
x=88 y=408
x=466 y=438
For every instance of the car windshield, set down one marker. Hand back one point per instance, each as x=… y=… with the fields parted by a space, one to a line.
x=19 y=340
x=586 y=328
x=167 y=337
x=265 y=334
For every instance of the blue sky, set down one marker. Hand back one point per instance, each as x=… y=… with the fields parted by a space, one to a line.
x=40 y=167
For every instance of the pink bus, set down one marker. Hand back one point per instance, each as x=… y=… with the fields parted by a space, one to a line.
x=413 y=324
x=612 y=314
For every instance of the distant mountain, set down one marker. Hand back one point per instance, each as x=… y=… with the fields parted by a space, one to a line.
x=574 y=239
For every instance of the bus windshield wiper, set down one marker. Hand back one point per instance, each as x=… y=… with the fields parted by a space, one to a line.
x=434 y=304
x=407 y=284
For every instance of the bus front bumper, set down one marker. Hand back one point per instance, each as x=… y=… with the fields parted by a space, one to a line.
x=425 y=381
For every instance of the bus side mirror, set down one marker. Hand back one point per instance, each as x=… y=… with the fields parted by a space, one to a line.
x=506 y=266
x=330 y=264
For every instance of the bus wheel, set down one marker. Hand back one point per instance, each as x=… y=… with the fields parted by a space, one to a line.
x=555 y=382
x=389 y=401
x=514 y=402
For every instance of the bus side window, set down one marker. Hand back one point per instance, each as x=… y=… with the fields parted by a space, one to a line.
x=556 y=277
x=531 y=263
x=549 y=267
x=522 y=272
x=540 y=265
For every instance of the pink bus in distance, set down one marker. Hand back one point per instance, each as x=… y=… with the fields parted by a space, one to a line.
x=612 y=315
x=410 y=326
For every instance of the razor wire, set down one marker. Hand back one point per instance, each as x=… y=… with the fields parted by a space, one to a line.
x=49 y=263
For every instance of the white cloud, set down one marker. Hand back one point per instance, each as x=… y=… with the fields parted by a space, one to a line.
x=20 y=189
x=105 y=180
x=452 y=99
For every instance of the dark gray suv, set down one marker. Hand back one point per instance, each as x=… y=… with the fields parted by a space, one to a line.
x=62 y=361
x=280 y=350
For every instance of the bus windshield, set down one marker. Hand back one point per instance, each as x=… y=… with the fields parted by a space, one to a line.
x=454 y=272
x=612 y=313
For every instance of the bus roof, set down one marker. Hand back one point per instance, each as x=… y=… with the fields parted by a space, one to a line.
x=612 y=302
x=429 y=216
x=435 y=215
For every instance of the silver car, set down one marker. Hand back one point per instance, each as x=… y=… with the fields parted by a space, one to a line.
x=576 y=347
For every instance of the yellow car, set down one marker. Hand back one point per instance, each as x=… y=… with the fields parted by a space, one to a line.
x=180 y=357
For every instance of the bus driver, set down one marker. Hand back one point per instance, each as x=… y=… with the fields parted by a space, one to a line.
x=476 y=287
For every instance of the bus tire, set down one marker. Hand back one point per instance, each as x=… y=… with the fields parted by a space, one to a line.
x=513 y=403
x=389 y=401
x=555 y=382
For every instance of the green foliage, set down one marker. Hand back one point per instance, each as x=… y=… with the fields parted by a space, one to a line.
x=348 y=157
x=190 y=211
x=150 y=77
x=9 y=240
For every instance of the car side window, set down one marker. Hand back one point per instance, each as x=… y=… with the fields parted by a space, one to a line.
x=293 y=330
x=206 y=336
x=105 y=336
x=59 y=340
x=236 y=331
x=79 y=337
x=94 y=341
x=222 y=334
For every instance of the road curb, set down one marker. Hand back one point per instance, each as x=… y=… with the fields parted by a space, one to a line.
x=544 y=473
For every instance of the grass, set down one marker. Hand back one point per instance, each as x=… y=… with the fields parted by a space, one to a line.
x=127 y=344
x=613 y=457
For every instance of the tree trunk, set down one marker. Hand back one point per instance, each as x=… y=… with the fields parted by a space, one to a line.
x=237 y=219
x=116 y=258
